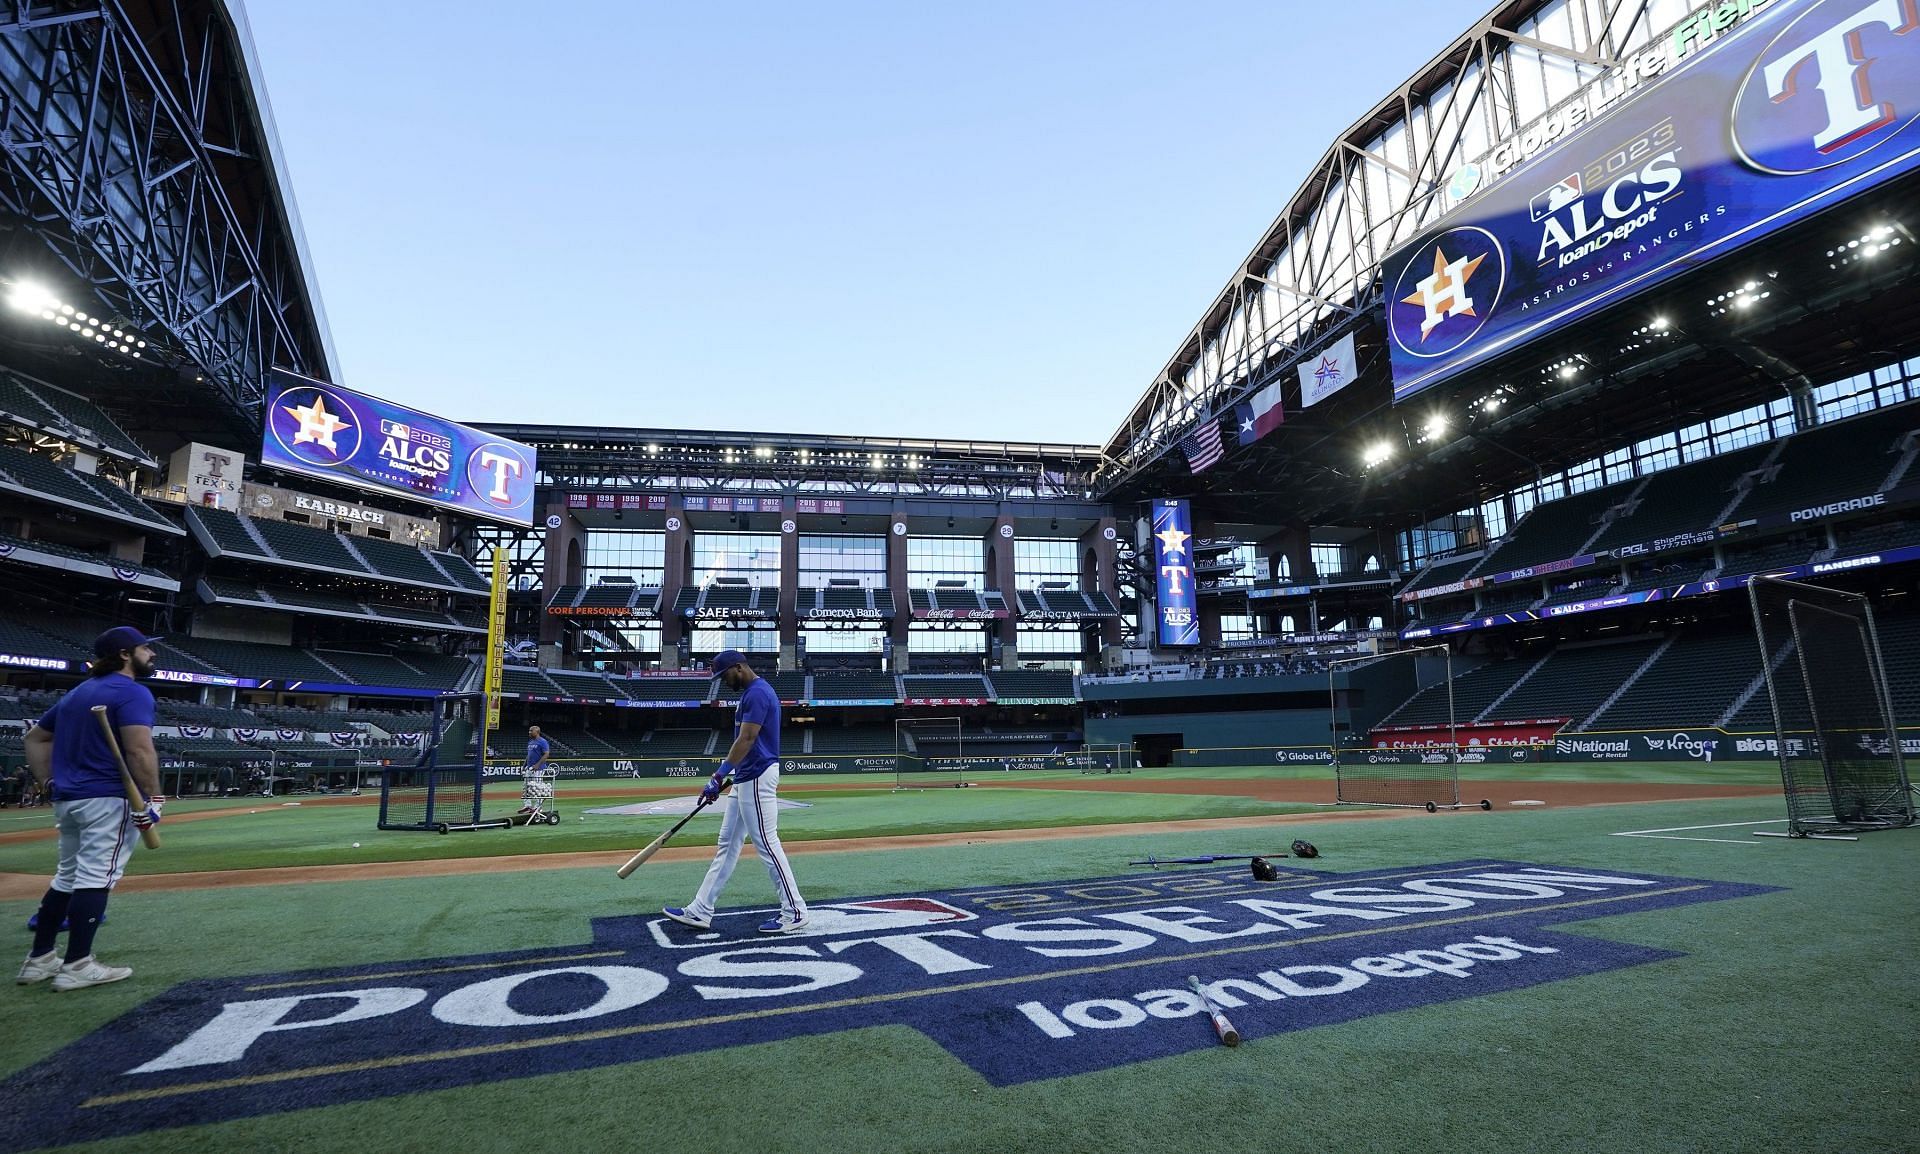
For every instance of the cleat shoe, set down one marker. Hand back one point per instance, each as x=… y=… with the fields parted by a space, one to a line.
x=781 y=925
x=39 y=969
x=88 y=971
x=686 y=919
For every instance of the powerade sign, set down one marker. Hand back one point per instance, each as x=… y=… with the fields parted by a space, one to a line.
x=1797 y=109
x=1175 y=598
x=1021 y=982
x=350 y=438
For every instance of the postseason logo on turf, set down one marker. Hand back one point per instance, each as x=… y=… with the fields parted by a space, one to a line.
x=1020 y=982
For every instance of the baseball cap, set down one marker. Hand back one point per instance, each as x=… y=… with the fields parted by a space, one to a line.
x=118 y=638
x=726 y=659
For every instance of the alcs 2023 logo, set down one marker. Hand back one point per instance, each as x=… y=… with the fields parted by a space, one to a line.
x=1020 y=982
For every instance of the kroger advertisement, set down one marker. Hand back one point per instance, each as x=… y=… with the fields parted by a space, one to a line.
x=1780 y=116
x=1174 y=597
x=340 y=435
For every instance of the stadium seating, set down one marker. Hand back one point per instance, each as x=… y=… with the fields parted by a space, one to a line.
x=1581 y=589
x=1692 y=683
x=925 y=686
x=400 y=562
x=851 y=739
x=307 y=548
x=1441 y=573
x=1766 y=556
x=1873 y=538
x=38 y=476
x=583 y=684
x=790 y=685
x=69 y=415
x=1473 y=691
x=1551 y=531
x=27 y=641
x=69 y=551
x=678 y=743
x=841 y=598
x=1029 y=683
x=1666 y=576
x=1681 y=499
x=249 y=659
x=1842 y=459
x=1574 y=681
x=855 y=687
x=520 y=679
x=304 y=547
x=692 y=687
x=430 y=673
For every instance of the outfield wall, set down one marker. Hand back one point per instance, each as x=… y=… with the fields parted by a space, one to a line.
x=571 y=768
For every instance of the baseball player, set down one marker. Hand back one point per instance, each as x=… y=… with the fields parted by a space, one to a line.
x=532 y=769
x=754 y=763
x=98 y=828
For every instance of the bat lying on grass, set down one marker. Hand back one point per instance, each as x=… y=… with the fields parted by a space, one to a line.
x=1228 y=1035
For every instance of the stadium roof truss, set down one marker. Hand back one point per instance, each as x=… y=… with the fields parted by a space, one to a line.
x=582 y=458
x=141 y=151
x=1315 y=274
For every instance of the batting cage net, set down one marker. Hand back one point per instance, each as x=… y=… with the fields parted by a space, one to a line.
x=928 y=753
x=1107 y=759
x=1421 y=772
x=440 y=791
x=1837 y=739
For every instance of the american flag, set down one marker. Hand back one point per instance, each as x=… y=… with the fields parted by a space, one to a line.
x=1203 y=448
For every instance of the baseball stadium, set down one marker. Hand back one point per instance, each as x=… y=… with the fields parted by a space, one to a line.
x=1462 y=705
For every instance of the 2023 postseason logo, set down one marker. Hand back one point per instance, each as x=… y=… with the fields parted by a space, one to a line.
x=1020 y=982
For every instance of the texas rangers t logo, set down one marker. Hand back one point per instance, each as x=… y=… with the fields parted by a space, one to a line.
x=1839 y=80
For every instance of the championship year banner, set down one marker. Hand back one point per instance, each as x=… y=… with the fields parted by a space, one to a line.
x=1796 y=110
x=350 y=438
x=1175 y=599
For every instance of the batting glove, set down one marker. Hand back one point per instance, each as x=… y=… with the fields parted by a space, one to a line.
x=716 y=783
x=150 y=817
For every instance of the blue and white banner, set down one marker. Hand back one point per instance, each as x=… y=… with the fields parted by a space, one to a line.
x=1175 y=599
x=1792 y=112
x=341 y=435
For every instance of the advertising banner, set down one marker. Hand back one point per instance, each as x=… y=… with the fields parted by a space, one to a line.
x=1175 y=598
x=1794 y=110
x=1492 y=734
x=350 y=438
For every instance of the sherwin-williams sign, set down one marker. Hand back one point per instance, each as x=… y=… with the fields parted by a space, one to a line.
x=340 y=435
x=1800 y=108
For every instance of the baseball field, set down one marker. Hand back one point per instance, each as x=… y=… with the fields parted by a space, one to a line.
x=1623 y=965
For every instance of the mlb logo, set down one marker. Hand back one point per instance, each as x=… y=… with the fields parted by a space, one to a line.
x=1555 y=197
x=395 y=429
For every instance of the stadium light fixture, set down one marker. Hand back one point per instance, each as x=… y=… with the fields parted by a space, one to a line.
x=763 y=451
x=1436 y=426
x=29 y=297
x=1658 y=324
x=1378 y=453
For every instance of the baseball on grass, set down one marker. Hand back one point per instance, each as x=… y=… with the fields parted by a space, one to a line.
x=356 y=845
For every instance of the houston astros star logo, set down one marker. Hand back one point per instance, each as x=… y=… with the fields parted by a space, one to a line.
x=1329 y=371
x=1444 y=294
x=1173 y=539
x=316 y=424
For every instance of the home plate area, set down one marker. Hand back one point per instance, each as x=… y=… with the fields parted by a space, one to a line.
x=679 y=807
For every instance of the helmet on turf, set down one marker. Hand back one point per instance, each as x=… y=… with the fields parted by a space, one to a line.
x=1305 y=849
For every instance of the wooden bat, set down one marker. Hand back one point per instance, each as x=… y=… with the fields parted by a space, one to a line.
x=653 y=847
x=149 y=837
x=1204 y=859
x=1228 y=1035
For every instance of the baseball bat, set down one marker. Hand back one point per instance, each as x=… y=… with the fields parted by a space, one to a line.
x=1204 y=859
x=149 y=837
x=653 y=847
x=1228 y=1035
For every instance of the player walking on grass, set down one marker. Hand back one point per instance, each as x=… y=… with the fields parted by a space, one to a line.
x=98 y=828
x=752 y=810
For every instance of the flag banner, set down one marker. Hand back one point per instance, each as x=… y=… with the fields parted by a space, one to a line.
x=1204 y=447
x=1328 y=372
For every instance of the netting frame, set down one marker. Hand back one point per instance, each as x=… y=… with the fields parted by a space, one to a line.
x=1126 y=758
x=921 y=778
x=1342 y=780
x=1830 y=826
x=462 y=775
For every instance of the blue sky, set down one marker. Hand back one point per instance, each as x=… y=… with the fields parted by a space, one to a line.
x=987 y=220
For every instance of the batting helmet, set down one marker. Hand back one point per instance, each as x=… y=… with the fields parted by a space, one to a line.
x=1263 y=870
x=1305 y=849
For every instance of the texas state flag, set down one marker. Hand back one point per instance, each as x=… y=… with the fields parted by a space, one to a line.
x=1258 y=415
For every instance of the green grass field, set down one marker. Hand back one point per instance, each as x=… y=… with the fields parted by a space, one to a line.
x=1786 y=1018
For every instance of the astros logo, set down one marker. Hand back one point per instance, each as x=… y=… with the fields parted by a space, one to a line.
x=1838 y=81
x=1447 y=292
x=315 y=425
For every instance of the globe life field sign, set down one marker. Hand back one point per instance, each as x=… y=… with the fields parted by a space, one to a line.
x=348 y=437
x=1795 y=110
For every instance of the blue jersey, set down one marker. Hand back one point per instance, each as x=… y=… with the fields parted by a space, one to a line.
x=537 y=751
x=761 y=704
x=83 y=765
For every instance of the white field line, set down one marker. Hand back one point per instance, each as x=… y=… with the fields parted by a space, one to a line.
x=1665 y=833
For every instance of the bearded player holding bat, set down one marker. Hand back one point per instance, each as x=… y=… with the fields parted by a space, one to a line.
x=752 y=811
x=98 y=825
